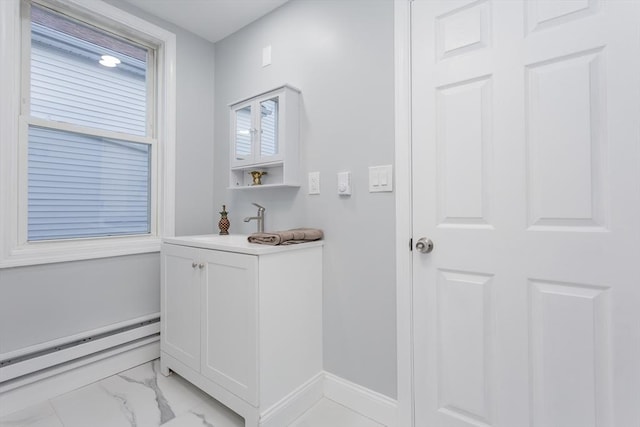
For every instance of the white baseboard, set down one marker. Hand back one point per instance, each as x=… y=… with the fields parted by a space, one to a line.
x=295 y=404
x=32 y=389
x=366 y=402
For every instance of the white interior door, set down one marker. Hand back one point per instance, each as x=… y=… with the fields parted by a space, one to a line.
x=526 y=176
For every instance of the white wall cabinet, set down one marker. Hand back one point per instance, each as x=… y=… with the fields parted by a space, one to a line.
x=264 y=136
x=244 y=327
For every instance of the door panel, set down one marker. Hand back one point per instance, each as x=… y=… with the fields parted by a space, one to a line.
x=464 y=137
x=526 y=175
x=571 y=320
x=464 y=342
x=565 y=122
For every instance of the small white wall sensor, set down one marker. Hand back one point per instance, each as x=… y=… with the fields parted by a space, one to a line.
x=344 y=183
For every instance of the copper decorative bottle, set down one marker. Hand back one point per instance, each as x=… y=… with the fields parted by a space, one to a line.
x=224 y=223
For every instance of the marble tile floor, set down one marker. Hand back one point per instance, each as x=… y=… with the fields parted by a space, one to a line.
x=142 y=397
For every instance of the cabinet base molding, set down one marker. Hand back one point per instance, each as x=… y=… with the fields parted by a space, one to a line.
x=281 y=414
x=230 y=400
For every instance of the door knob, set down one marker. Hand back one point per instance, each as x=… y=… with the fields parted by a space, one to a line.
x=424 y=245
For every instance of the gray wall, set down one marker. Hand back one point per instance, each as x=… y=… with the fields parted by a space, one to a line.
x=46 y=302
x=339 y=53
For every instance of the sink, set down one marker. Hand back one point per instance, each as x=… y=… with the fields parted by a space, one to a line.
x=234 y=243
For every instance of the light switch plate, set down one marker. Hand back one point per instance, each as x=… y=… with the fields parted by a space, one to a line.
x=266 y=55
x=314 y=182
x=380 y=178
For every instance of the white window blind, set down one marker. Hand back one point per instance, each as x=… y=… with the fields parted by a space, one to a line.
x=269 y=127
x=244 y=132
x=81 y=184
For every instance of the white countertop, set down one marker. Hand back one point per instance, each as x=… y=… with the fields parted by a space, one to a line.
x=235 y=243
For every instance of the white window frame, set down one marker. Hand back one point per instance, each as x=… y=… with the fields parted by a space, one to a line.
x=15 y=250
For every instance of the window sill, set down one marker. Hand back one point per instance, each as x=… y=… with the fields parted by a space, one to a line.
x=78 y=250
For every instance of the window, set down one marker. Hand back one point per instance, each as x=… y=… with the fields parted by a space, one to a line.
x=86 y=167
x=81 y=184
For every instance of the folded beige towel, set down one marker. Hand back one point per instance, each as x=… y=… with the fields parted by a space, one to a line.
x=287 y=237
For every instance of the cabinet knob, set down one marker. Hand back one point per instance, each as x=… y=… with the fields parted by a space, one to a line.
x=194 y=264
x=201 y=266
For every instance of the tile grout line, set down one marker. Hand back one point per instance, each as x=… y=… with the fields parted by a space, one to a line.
x=53 y=409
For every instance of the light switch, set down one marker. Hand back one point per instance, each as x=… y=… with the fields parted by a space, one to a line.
x=384 y=180
x=314 y=182
x=380 y=178
x=375 y=178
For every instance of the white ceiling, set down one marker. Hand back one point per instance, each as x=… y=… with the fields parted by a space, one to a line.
x=210 y=19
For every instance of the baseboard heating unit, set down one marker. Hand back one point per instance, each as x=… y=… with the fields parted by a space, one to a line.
x=35 y=359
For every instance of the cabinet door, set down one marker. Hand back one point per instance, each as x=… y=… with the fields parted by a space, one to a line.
x=180 y=302
x=243 y=133
x=229 y=322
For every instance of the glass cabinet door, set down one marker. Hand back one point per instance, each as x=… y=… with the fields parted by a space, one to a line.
x=269 y=127
x=244 y=134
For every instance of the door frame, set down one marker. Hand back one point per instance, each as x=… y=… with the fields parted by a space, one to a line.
x=404 y=217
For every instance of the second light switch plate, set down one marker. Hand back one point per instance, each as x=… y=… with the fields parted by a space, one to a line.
x=380 y=178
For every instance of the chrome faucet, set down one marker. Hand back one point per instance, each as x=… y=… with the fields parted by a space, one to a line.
x=259 y=218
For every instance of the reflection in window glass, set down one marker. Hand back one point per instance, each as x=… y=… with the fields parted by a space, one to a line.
x=269 y=127
x=69 y=83
x=243 y=133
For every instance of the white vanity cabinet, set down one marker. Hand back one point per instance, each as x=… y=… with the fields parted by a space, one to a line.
x=243 y=322
x=211 y=315
x=264 y=136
